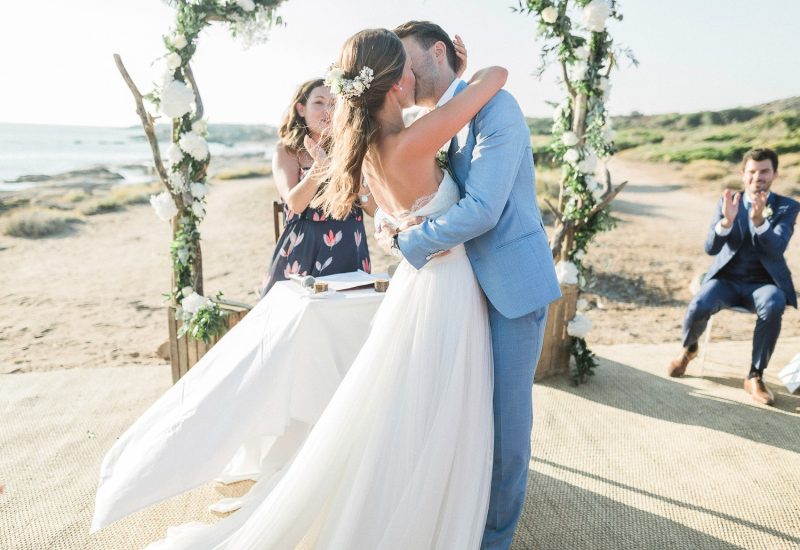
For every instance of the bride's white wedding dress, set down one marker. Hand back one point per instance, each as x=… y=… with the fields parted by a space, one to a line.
x=401 y=458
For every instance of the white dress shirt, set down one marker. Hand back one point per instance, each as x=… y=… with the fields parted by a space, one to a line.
x=723 y=232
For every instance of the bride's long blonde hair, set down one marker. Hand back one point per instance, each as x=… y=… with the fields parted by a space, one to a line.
x=354 y=128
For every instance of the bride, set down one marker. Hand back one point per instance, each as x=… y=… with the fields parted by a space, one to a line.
x=401 y=458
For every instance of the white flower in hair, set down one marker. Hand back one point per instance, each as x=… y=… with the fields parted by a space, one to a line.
x=348 y=87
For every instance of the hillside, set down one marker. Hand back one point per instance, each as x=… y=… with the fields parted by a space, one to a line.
x=707 y=145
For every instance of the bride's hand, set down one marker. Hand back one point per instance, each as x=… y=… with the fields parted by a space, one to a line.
x=461 y=56
x=317 y=152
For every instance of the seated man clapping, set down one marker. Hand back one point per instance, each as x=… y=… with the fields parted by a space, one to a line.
x=748 y=237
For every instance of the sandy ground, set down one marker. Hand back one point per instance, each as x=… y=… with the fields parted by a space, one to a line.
x=632 y=460
x=93 y=297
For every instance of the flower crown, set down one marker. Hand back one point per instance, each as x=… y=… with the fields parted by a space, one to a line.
x=346 y=87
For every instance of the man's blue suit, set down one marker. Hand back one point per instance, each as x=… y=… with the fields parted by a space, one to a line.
x=749 y=270
x=498 y=221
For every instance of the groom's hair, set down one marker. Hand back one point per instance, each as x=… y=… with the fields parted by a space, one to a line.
x=427 y=34
x=759 y=154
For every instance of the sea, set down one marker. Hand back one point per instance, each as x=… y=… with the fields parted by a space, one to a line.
x=48 y=150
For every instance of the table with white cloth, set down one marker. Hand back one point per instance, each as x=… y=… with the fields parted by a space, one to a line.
x=245 y=408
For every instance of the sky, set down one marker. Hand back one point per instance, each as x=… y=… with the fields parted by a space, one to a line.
x=56 y=63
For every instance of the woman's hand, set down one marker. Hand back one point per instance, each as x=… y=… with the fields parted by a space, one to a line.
x=461 y=56
x=317 y=152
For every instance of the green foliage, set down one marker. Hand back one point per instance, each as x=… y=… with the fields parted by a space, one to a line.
x=192 y=17
x=585 y=361
x=206 y=323
x=586 y=58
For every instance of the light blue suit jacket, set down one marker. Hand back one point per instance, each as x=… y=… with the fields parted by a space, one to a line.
x=497 y=218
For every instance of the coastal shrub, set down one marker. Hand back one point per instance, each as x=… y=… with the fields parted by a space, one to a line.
x=133 y=194
x=723 y=136
x=730 y=153
x=75 y=195
x=629 y=139
x=37 y=223
x=708 y=170
x=101 y=206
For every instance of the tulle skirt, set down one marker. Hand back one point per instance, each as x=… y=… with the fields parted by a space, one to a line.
x=401 y=458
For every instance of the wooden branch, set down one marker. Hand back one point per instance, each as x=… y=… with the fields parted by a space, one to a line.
x=552 y=208
x=602 y=204
x=570 y=89
x=198 y=102
x=579 y=115
x=556 y=243
x=147 y=122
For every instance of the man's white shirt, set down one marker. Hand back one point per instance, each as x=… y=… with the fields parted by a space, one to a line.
x=724 y=232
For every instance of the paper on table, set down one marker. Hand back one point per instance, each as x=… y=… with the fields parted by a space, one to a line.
x=352 y=280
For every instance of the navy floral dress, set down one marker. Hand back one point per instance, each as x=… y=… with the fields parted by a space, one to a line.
x=312 y=244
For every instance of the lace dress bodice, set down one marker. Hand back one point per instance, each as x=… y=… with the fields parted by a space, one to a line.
x=431 y=206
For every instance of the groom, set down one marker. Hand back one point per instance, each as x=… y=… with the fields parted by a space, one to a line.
x=499 y=223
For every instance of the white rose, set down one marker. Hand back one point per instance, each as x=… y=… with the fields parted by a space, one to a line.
x=588 y=164
x=174 y=60
x=176 y=99
x=194 y=145
x=595 y=14
x=185 y=291
x=582 y=305
x=164 y=205
x=246 y=5
x=549 y=15
x=579 y=70
x=567 y=273
x=579 y=255
x=200 y=127
x=198 y=190
x=177 y=182
x=572 y=156
x=179 y=42
x=192 y=303
x=582 y=53
x=197 y=208
x=569 y=139
x=174 y=154
x=579 y=327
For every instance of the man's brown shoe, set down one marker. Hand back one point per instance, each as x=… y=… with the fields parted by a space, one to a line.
x=758 y=391
x=678 y=366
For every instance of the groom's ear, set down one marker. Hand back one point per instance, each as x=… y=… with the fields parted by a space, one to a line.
x=439 y=50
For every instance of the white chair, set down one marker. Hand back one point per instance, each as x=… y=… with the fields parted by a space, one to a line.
x=694 y=288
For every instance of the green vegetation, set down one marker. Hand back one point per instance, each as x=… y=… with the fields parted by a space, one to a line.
x=708 y=145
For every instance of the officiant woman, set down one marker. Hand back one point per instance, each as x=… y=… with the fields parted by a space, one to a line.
x=311 y=243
